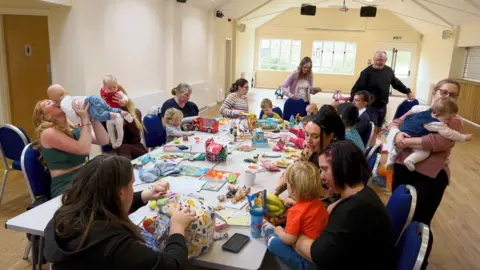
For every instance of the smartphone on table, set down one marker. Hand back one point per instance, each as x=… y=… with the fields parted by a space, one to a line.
x=236 y=243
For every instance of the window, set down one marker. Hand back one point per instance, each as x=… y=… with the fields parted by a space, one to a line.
x=334 y=57
x=279 y=54
x=472 y=64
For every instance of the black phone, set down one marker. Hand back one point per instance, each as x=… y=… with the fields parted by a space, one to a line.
x=182 y=147
x=236 y=243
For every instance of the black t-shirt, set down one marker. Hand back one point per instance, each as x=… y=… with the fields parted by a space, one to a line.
x=377 y=82
x=190 y=109
x=359 y=235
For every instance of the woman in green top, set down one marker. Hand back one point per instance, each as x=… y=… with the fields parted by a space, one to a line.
x=64 y=148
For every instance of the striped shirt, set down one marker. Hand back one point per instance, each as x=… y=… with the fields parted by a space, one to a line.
x=233 y=105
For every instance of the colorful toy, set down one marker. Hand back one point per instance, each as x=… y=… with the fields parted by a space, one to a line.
x=298 y=119
x=338 y=97
x=215 y=152
x=185 y=138
x=268 y=123
x=279 y=93
x=259 y=140
x=176 y=141
x=209 y=125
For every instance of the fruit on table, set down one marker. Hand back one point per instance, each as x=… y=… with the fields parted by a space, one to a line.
x=148 y=224
x=152 y=205
x=176 y=141
x=275 y=206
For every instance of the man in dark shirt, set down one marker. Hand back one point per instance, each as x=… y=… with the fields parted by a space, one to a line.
x=376 y=79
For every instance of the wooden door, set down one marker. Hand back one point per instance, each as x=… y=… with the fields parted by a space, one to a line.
x=28 y=63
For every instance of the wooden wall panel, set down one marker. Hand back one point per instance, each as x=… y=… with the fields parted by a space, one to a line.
x=469 y=101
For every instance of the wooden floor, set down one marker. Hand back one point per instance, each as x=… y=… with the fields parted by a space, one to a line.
x=456 y=224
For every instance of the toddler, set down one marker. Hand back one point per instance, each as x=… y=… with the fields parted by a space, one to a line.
x=267 y=108
x=312 y=109
x=174 y=120
x=423 y=121
x=98 y=110
x=307 y=216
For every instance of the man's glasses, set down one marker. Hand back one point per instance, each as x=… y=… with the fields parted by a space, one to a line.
x=446 y=93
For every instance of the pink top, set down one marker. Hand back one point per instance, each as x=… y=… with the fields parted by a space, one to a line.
x=438 y=146
x=300 y=133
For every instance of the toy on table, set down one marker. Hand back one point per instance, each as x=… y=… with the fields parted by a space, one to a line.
x=237 y=194
x=259 y=140
x=197 y=139
x=246 y=148
x=235 y=133
x=252 y=160
x=298 y=119
x=209 y=125
x=185 y=138
x=268 y=123
x=215 y=152
x=176 y=141
x=292 y=121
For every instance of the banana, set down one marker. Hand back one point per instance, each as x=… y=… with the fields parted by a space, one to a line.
x=273 y=208
x=275 y=214
x=272 y=199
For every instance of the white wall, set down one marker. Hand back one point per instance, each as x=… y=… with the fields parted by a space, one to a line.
x=468 y=36
x=149 y=45
x=435 y=62
x=245 y=52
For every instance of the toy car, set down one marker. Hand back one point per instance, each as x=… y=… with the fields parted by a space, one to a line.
x=209 y=125
x=279 y=93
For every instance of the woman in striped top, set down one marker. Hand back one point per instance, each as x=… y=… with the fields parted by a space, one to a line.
x=236 y=103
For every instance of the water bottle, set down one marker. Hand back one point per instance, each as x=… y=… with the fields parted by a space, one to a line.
x=292 y=121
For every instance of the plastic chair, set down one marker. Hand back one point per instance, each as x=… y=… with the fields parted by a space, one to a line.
x=12 y=141
x=294 y=107
x=37 y=179
x=404 y=107
x=372 y=154
x=155 y=134
x=412 y=247
x=276 y=109
x=401 y=207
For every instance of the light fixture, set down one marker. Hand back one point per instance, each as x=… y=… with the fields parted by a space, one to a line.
x=369 y=0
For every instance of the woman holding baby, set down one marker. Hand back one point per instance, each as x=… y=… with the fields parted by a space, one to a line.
x=431 y=176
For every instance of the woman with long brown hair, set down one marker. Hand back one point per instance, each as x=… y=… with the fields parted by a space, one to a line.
x=65 y=149
x=299 y=85
x=92 y=230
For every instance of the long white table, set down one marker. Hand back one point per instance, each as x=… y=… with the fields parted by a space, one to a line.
x=250 y=257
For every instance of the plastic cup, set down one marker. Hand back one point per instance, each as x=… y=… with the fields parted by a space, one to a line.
x=256 y=220
x=249 y=178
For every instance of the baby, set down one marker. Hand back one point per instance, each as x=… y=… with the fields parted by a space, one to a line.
x=174 y=120
x=423 y=121
x=299 y=139
x=98 y=109
x=307 y=216
x=267 y=108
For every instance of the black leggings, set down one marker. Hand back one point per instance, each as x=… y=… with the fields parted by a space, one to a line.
x=429 y=195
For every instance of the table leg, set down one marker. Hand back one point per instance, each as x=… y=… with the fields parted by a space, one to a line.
x=40 y=253
x=33 y=239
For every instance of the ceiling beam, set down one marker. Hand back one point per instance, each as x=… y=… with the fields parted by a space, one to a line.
x=433 y=13
x=254 y=9
x=473 y=4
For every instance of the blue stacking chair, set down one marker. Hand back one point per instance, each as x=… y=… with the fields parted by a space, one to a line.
x=401 y=207
x=12 y=141
x=276 y=109
x=294 y=107
x=37 y=179
x=155 y=134
x=373 y=160
x=404 y=107
x=412 y=247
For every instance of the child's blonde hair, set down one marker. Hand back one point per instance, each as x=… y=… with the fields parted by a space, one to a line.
x=173 y=115
x=312 y=109
x=266 y=103
x=304 y=178
x=109 y=79
x=445 y=106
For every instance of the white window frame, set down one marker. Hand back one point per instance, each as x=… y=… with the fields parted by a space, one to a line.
x=333 y=56
x=279 y=52
x=471 y=69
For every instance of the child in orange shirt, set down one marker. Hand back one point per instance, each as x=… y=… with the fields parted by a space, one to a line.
x=307 y=216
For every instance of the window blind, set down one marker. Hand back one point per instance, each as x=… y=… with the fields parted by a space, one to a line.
x=472 y=64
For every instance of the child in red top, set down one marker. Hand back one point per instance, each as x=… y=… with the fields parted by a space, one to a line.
x=299 y=140
x=307 y=216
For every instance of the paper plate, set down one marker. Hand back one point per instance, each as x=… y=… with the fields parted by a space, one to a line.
x=273 y=154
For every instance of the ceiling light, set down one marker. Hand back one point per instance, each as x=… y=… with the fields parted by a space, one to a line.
x=369 y=0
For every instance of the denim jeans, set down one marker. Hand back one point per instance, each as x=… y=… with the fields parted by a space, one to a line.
x=99 y=109
x=287 y=254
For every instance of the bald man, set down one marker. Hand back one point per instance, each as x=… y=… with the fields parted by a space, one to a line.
x=376 y=79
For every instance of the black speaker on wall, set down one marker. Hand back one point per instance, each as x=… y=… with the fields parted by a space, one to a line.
x=308 y=10
x=182 y=1
x=368 y=11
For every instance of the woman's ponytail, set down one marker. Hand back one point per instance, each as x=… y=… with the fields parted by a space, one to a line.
x=238 y=83
x=174 y=91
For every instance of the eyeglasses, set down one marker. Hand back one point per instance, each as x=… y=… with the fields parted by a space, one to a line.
x=446 y=93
